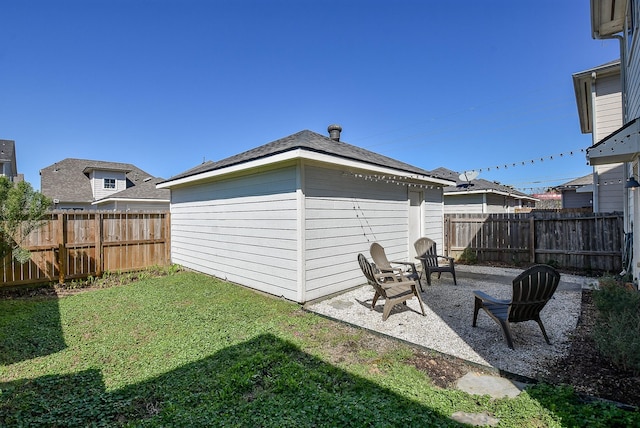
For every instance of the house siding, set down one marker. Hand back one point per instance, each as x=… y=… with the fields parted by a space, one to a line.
x=97 y=183
x=633 y=79
x=611 y=182
x=242 y=229
x=344 y=215
x=608 y=106
x=434 y=216
x=573 y=199
x=496 y=204
x=464 y=203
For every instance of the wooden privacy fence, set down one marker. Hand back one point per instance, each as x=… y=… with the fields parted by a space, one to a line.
x=73 y=245
x=583 y=241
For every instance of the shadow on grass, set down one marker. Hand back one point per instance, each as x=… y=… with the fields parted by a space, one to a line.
x=29 y=329
x=262 y=382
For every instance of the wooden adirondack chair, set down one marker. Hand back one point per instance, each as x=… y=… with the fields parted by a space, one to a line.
x=532 y=289
x=427 y=253
x=393 y=288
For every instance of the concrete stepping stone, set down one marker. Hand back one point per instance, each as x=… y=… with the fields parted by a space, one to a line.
x=494 y=386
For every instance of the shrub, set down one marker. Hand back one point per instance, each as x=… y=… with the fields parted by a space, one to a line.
x=468 y=256
x=617 y=330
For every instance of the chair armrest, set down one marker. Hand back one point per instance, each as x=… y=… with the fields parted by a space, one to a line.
x=392 y=285
x=486 y=298
x=411 y=264
x=387 y=277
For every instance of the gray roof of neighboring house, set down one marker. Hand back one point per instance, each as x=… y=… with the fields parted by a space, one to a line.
x=578 y=182
x=145 y=189
x=476 y=185
x=68 y=179
x=310 y=141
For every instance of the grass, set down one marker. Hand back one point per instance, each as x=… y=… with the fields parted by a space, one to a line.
x=191 y=350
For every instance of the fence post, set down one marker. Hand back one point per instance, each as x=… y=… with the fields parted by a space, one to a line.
x=532 y=239
x=62 y=250
x=98 y=237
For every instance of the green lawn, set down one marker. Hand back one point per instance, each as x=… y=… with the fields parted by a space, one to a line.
x=191 y=350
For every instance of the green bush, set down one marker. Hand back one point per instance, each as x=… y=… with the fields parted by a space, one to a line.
x=468 y=256
x=617 y=330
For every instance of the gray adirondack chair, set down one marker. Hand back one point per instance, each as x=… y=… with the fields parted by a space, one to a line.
x=532 y=289
x=393 y=288
x=432 y=262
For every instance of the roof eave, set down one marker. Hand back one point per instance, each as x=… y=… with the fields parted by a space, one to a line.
x=622 y=145
x=493 y=191
x=106 y=200
x=304 y=154
x=607 y=17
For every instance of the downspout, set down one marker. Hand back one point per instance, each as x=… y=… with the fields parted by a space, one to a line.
x=628 y=167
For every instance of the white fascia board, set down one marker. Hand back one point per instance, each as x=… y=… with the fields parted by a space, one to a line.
x=306 y=155
x=496 y=192
x=620 y=146
x=603 y=24
x=102 y=201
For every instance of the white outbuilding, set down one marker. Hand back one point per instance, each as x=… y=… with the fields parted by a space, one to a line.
x=290 y=217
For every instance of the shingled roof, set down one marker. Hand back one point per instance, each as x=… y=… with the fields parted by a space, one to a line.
x=477 y=185
x=68 y=181
x=309 y=141
x=145 y=189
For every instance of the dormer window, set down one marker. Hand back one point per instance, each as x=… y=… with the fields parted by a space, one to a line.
x=109 y=183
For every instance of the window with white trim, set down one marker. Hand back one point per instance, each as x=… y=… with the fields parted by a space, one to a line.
x=109 y=183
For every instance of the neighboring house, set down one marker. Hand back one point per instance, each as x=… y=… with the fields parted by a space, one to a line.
x=8 y=165
x=577 y=193
x=620 y=20
x=81 y=184
x=290 y=217
x=480 y=196
x=599 y=100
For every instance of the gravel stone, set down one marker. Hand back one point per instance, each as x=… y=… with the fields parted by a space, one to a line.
x=447 y=326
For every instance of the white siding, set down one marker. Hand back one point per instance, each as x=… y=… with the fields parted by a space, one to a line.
x=496 y=204
x=344 y=216
x=611 y=182
x=97 y=183
x=464 y=203
x=608 y=106
x=608 y=117
x=434 y=216
x=573 y=199
x=242 y=229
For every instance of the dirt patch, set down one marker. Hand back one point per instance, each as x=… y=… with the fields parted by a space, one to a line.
x=587 y=371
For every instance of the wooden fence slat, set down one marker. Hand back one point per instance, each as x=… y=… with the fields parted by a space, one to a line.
x=584 y=241
x=78 y=245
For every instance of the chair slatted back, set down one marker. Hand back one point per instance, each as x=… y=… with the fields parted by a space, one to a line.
x=532 y=289
x=369 y=273
x=380 y=257
x=427 y=246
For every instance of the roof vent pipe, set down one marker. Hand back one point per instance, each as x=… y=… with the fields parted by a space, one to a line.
x=334 y=132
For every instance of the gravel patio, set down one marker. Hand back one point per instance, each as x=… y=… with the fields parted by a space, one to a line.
x=447 y=328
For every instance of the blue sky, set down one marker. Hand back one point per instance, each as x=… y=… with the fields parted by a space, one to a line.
x=166 y=84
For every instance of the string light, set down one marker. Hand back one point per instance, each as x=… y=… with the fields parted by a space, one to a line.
x=402 y=181
x=399 y=181
x=528 y=162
